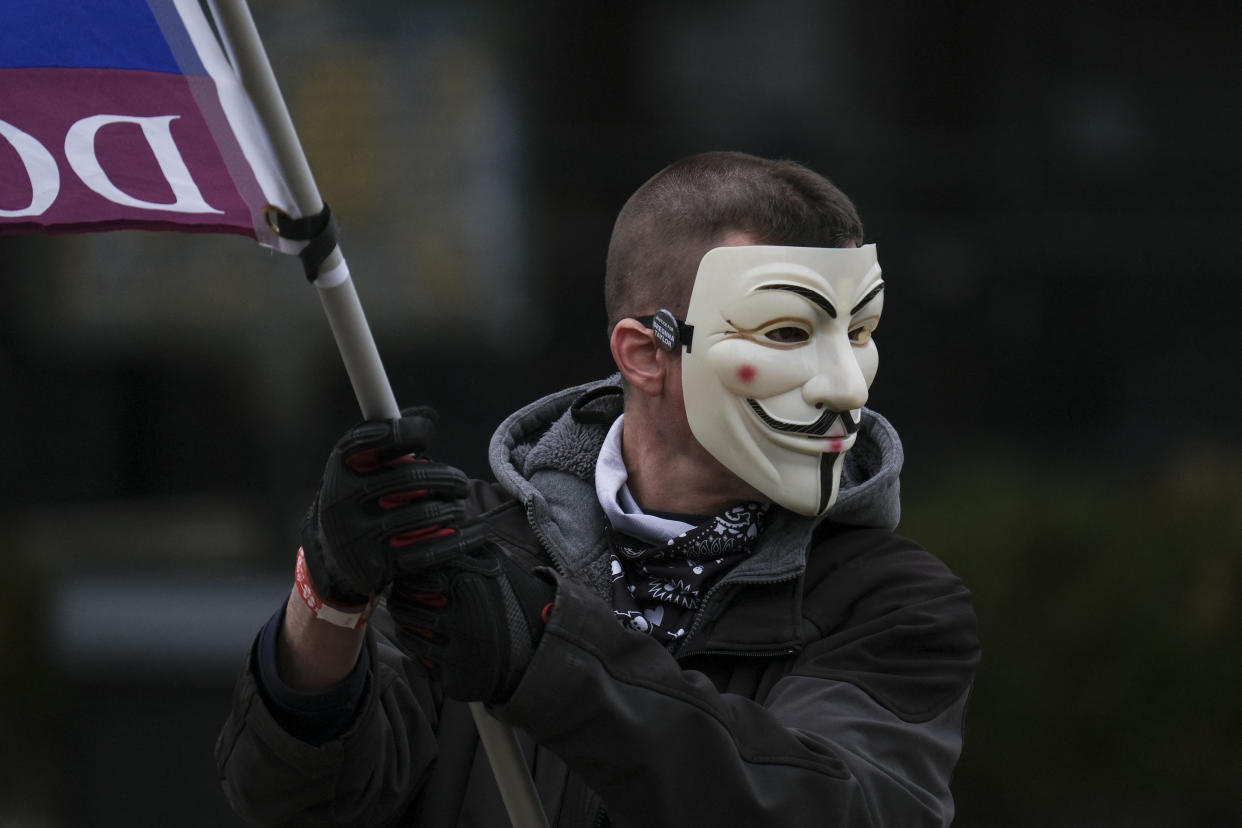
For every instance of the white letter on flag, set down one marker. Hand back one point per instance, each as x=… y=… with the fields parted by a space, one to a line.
x=80 y=152
x=40 y=166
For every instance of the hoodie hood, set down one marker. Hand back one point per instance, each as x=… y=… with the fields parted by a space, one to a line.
x=561 y=434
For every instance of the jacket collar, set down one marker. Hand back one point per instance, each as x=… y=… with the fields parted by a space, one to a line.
x=544 y=455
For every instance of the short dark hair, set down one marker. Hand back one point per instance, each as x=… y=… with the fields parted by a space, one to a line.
x=690 y=206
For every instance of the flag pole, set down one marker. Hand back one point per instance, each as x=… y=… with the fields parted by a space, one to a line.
x=355 y=343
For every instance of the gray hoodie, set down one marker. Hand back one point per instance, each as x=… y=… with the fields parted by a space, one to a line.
x=544 y=455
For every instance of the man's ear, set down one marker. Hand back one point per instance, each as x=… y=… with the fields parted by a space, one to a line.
x=640 y=361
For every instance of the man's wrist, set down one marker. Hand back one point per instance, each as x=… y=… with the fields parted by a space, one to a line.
x=348 y=618
x=312 y=654
x=312 y=714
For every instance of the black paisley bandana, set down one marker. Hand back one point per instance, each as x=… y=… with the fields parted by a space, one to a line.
x=656 y=589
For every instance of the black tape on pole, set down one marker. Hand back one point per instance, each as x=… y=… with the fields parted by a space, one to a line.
x=318 y=230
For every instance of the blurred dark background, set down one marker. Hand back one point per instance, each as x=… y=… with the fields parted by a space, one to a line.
x=1054 y=191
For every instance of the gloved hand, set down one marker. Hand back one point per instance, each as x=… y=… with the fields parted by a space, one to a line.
x=474 y=621
x=380 y=499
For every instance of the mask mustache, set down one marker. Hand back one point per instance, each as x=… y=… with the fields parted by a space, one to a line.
x=819 y=428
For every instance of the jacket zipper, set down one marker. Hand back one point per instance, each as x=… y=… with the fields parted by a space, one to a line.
x=528 y=504
x=600 y=814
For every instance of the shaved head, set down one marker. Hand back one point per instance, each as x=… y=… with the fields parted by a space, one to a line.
x=692 y=205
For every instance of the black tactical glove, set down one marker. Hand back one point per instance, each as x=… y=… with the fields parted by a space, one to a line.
x=474 y=622
x=380 y=500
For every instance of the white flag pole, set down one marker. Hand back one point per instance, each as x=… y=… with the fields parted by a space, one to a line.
x=355 y=343
x=335 y=287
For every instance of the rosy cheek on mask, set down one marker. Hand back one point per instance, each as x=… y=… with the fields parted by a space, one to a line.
x=747 y=369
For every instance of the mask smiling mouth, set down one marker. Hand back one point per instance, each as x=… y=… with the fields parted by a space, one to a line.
x=820 y=428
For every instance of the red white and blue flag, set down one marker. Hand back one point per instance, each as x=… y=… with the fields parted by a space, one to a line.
x=126 y=114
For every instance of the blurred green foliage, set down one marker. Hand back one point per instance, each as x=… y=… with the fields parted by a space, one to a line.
x=1108 y=603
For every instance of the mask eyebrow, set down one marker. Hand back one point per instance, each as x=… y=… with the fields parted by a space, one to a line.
x=875 y=291
x=813 y=296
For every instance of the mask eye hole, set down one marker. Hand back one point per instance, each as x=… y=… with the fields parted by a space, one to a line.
x=787 y=335
x=861 y=334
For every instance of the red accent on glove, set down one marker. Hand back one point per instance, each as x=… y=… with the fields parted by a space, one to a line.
x=414 y=536
x=367 y=461
x=430 y=599
x=392 y=501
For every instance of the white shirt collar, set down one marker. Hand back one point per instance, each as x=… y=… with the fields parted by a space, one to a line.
x=622 y=511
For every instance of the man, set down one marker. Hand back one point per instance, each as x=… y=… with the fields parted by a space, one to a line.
x=683 y=591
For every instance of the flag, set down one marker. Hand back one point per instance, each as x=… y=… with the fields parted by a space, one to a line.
x=127 y=114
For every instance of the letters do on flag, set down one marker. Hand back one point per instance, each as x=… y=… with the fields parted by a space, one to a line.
x=126 y=114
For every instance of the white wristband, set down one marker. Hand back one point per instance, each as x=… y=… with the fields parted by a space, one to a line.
x=340 y=618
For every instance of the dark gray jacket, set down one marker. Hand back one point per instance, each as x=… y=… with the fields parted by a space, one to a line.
x=822 y=683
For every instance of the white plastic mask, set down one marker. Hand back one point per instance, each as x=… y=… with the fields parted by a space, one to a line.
x=779 y=365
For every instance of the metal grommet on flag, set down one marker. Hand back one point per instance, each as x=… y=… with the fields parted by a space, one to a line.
x=318 y=230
